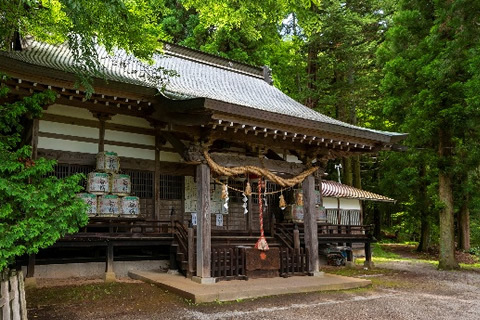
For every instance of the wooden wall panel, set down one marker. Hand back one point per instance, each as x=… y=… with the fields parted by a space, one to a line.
x=75 y=112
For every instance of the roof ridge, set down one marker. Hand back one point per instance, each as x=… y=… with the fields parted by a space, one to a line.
x=215 y=60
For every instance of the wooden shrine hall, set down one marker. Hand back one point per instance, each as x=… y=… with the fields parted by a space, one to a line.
x=217 y=156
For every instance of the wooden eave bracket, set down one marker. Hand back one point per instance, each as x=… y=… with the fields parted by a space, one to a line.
x=190 y=112
x=192 y=154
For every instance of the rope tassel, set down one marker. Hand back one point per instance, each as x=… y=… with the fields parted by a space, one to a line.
x=248 y=189
x=262 y=242
x=281 y=203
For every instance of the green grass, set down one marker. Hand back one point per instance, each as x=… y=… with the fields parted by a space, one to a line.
x=379 y=252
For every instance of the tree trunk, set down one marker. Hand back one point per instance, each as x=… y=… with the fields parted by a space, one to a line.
x=464 y=226
x=312 y=65
x=424 y=242
x=347 y=171
x=357 y=178
x=447 y=238
x=377 y=220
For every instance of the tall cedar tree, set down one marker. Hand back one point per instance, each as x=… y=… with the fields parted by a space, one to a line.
x=430 y=56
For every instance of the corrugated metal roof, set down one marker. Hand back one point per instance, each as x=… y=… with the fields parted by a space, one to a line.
x=198 y=77
x=338 y=190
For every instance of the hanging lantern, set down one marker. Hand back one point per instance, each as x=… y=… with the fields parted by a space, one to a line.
x=248 y=189
x=282 y=203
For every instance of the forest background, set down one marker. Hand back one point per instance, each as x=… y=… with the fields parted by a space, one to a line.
x=408 y=66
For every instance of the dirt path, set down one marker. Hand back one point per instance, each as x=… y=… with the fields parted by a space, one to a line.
x=400 y=290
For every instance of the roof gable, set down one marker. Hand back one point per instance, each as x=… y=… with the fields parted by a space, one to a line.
x=201 y=75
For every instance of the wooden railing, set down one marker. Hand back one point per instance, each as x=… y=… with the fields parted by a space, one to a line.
x=12 y=297
x=293 y=262
x=228 y=263
x=285 y=235
x=186 y=253
x=125 y=227
x=326 y=230
x=341 y=230
x=345 y=217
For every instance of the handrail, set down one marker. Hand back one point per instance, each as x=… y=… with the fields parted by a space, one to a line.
x=284 y=235
x=181 y=235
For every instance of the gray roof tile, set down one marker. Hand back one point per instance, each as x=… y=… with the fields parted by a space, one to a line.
x=199 y=76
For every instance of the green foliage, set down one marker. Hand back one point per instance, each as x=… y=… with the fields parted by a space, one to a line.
x=378 y=252
x=81 y=24
x=35 y=210
x=428 y=57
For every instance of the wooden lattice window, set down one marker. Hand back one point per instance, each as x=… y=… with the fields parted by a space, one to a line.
x=142 y=183
x=271 y=187
x=236 y=196
x=171 y=187
x=62 y=170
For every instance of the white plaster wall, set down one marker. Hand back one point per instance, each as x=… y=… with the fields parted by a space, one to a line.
x=170 y=157
x=330 y=203
x=69 y=111
x=129 y=137
x=131 y=152
x=96 y=269
x=130 y=121
x=68 y=129
x=67 y=145
x=350 y=204
x=292 y=158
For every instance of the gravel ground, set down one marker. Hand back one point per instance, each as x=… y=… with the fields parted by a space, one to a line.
x=406 y=290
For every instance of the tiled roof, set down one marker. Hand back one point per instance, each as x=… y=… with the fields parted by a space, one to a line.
x=338 y=190
x=199 y=76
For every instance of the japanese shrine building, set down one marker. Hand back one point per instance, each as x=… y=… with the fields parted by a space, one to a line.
x=215 y=109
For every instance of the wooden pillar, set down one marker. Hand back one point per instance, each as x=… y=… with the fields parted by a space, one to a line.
x=109 y=272
x=249 y=213
x=368 y=255
x=101 y=137
x=35 y=128
x=296 y=238
x=310 y=223
x=156 y=178
x=203 y=225
x=191 y=251
x=31 y=266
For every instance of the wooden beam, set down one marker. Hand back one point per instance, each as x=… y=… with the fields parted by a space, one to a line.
x=310 y=223
x=98 y=141
x=203 y=221
x=102 y=117
x=88 y=159
x=177 y=144
x=45 y=75
x=259 y=140
x=181 y=112
x=228 y=160
x=273 y=155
